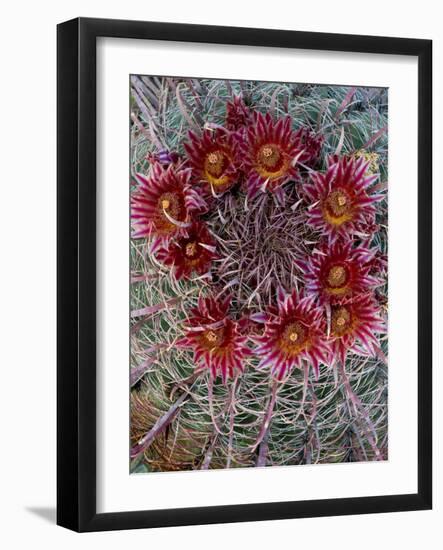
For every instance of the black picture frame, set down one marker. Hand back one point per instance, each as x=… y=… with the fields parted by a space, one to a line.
x=76 y=281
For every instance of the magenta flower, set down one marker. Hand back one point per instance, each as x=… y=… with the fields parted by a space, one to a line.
x=213 y=160
x=215 y=338
x=270 y=150
x=294 y=333
x=340 y=203
x=163 y=203
x=354 y=325
x=192 y=252
x=338 y=272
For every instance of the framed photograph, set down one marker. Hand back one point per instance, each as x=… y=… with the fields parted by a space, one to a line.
x=244 y=274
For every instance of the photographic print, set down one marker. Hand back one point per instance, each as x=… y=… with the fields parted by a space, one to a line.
x=258 y=274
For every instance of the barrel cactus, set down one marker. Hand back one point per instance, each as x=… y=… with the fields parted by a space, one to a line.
x=258 y=274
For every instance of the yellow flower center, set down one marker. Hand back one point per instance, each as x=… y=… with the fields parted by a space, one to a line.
x=269 y=156
x=170 y=204
x=337 y=276
x=215 y=164
x=211 y=336
x=213 y=158
x=191 y=249
x=216 y=340
x=271 y=162
x=341 y=321
x=337 y=207
x=294 y=338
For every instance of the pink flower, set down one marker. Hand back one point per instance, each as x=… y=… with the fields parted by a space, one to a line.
x=294 y=333
x=270 y=150
x=338 y=272
x=213 y=160
x=163 y=203
x=340 y=201
x=192 y=252
x=215 y=338
x=354 y=325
